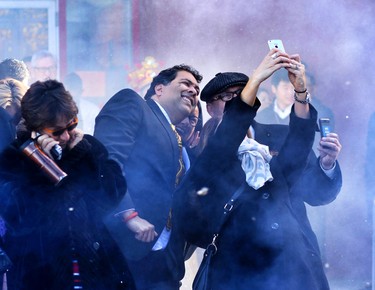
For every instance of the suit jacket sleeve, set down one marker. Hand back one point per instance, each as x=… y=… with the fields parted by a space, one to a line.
x=116 y=127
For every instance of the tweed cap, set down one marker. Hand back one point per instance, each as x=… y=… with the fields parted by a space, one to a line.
x=221 y=82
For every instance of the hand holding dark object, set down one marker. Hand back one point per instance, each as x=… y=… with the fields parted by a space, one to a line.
x=32 y=150
x=329 y=149
x=48 y=145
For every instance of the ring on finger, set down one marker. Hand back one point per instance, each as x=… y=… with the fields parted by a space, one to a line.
x=275 y=55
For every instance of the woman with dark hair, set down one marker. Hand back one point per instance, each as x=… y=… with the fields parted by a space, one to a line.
x=56 y=238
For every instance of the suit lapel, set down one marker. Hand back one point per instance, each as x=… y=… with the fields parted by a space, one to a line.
x=167 y=128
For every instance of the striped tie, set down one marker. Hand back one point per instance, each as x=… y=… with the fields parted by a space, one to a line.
x=180 y=172
x=181 y=165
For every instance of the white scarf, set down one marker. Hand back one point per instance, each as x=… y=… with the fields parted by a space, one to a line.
x=255 y=159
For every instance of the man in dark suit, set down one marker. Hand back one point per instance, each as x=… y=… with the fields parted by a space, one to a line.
x=139 y=134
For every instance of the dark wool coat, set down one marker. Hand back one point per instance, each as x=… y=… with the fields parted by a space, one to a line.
x=49 y=226
x=266 y=241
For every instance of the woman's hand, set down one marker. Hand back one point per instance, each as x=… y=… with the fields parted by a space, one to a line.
x=76 y=136
x=273 y=61
x=45 y=142
x=296 y=73
x=329 y=149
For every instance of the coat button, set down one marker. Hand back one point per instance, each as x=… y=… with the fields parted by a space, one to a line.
x=275 y=226
x=96 y=246
x=265 y=195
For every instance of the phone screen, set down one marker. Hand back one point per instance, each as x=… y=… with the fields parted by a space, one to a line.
x=325 y=126
x=276 y=43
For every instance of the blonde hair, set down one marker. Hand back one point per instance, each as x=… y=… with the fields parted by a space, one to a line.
x=11 y=93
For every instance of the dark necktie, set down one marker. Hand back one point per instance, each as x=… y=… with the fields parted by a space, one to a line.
x=180 y=172
x=181 y=165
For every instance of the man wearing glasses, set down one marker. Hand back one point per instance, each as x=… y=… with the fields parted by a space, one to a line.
x=43 y=66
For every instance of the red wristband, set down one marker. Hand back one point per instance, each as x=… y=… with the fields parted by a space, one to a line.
x=131 y=216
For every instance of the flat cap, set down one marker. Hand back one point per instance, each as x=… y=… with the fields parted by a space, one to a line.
x=221 y=82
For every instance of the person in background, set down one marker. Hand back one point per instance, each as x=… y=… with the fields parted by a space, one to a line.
x=262 y=245
x=87 y=110
x=15 y=69
x=55 y=237
x=265 y=98
x=11 y=93
x=189 y=129
x=43 y=66
x=279 y=111
x=140 y=135
x=323 y=110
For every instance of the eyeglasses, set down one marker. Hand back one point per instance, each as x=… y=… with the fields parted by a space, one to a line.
x=48 y=69
x=226 y=96
x=71 y=126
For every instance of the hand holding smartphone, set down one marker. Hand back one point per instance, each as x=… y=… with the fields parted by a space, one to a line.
x=276 y=43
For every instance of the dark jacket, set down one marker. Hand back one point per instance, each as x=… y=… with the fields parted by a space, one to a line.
x=140 y=138
x=262 y=244
x=7 y=129
x=49 y=227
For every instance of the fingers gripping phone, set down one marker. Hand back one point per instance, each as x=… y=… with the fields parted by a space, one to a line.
x=276 y=43
x=325 y=126
x=56 y=150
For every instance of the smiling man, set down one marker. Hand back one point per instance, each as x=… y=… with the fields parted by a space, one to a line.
x=139 y=134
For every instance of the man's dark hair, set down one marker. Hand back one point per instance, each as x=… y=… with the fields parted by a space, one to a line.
x=13 y=68
x=168 y=75
x=45 y=103
x=279 y=76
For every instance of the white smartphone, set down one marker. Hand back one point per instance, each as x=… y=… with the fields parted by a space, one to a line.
x=276 y=43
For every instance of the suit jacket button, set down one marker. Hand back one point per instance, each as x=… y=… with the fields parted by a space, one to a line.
x=96 y=246
x=275 y=226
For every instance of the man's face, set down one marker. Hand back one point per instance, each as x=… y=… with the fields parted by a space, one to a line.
x=284 y=93
x=180 y=97
x=44 y=69
x=264 y=98
x=186 y=127
x=216 y=108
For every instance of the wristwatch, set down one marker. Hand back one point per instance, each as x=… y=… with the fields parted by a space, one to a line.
x=306 y=101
